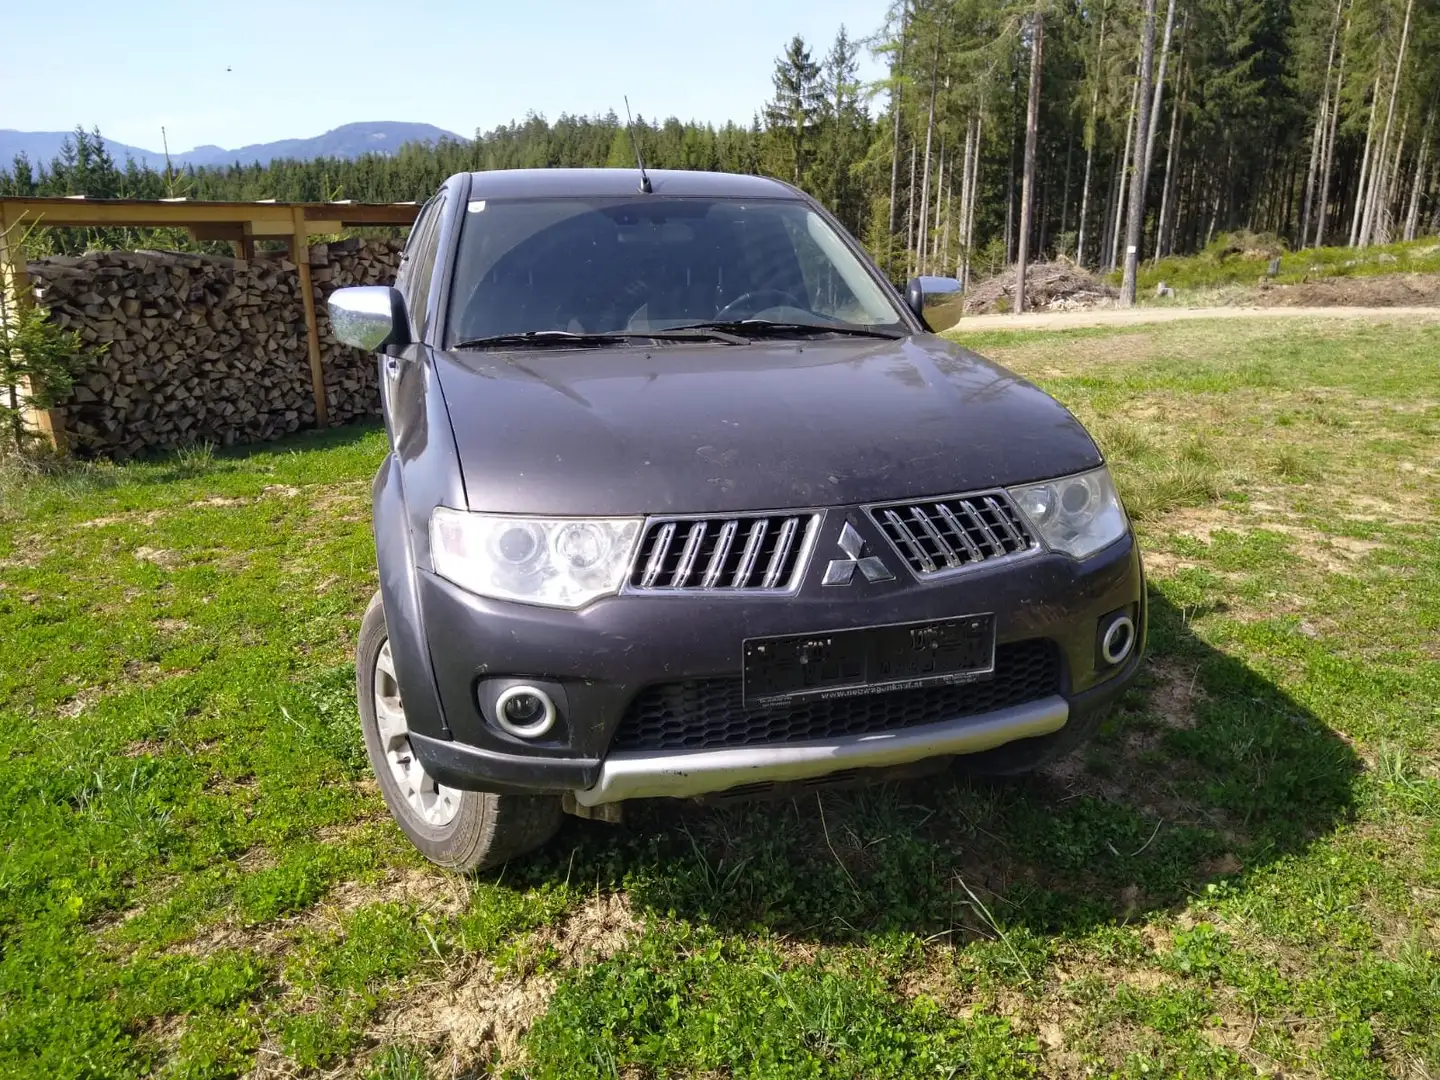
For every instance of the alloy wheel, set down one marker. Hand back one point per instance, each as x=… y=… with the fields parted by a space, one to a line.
x=431 y=801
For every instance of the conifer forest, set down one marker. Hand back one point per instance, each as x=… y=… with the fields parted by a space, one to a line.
x=1105 y=131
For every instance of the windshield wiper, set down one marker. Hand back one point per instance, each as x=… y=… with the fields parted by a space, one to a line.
x=754 y=328
x=567 y=339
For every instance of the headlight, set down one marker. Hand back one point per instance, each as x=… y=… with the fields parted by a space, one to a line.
x=558 y=562
x=1078 y=514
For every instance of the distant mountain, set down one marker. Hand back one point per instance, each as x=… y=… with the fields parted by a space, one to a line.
x=347 y=141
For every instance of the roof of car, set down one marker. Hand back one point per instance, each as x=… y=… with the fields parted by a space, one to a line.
x=609 y=183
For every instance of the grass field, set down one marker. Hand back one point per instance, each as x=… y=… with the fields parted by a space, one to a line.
x=1219 y=267
x=1241 y=877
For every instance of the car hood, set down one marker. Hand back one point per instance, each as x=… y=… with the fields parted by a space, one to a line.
x=711 y=428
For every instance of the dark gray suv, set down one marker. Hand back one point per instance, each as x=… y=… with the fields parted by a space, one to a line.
x=684 y=499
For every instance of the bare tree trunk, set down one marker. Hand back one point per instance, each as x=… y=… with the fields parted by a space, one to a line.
x=1412 y=215
x=1161 y=246
x=1378 y=178
x=1010 y=198
x=1321 y=114
x=1065 y=192
x=1027 y=182
x=974 y=200
x=925 y=173
x=1321 y=212
x=1382 y=230
x=1124 y=174
x=1091 y=137
x=910 y=216
x=898 y=74
x=944 y=257
x=1365 y=162
x=935 y=218
x=1159 y=88
x=965 y=174
x=1143 y=147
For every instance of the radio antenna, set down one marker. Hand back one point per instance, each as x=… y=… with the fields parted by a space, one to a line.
x=635 y=143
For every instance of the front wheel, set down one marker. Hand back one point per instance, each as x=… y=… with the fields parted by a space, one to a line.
x=459 y=830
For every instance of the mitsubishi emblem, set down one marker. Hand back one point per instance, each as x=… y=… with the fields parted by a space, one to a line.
x=842 y=571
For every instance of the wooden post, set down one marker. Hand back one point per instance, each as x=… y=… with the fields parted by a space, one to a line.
x=15 y=290
x=300 y=252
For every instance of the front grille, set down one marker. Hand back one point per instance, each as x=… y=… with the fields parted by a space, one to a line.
x=707 y=713
x=949 y=534
x=755 y=553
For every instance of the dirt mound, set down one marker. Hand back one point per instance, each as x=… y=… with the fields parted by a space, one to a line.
x=1049 y=286
x=1381 y=290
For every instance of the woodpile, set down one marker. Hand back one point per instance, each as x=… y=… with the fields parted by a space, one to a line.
x=351 y=390
x=192 y=348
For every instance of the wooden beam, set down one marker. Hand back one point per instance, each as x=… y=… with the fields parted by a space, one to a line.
x=276 y=218
x=300 y=254
x=16 y=290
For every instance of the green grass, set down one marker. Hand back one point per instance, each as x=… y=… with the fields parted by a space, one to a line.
x=1240 y=876
x=1221 y=265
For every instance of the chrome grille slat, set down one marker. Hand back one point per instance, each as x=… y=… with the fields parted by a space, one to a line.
x=983 y=526
x=954 y=533
x=747 y=553
x=688 y=555
x=915 y=552
x=947 y=552
x=1003 y=518
x=661 y=548
x=782 y=551
x=722 y=552
x=750 y=556
x=948 y=516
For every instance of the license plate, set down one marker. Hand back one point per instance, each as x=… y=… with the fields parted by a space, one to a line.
x=872 y=660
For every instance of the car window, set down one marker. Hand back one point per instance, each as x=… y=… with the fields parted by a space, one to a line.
x=595 y=265
x=405 y=276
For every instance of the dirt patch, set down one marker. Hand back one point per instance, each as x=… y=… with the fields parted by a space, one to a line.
x=167 y=560
x=428 y=889
x=1174 y=694
x=1379 y=291
x=1049 y=286
x=82 y=701
x=471 y=1014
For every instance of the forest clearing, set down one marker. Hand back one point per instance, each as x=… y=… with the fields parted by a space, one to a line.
x=1241 y=877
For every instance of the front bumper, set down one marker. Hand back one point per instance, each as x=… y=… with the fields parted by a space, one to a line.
x=605 y=655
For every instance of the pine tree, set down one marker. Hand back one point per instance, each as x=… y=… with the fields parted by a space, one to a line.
x=791 y=116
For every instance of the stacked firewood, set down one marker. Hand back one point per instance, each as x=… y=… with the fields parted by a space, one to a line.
x=184 y=349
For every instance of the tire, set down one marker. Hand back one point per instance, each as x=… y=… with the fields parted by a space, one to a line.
x=459 y=830
x=1026 y=756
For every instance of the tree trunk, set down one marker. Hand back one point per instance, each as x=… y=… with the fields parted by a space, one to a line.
x=925 y=173
x=1159 y=89
x=1161 y=248
x=1010 y=197
x=965 y=177
x=895 y=105
x=935 y=217
x=1378 y=178
x=910 y=216
x=974 y=199
x=944 y=258
x=1065 y=191
x=1321 y=114
x=1321 y=211
x=1365 y=162
x=1091 y=137
x=1381 y=231
x=1125 y=164
x=1412 y=215
x=1027 y=182
x=1143 y=147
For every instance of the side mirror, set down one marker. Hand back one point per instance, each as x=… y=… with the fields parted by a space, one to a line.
x=937 y=301
x=369 y=317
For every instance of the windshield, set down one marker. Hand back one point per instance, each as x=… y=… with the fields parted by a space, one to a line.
x=587 y=266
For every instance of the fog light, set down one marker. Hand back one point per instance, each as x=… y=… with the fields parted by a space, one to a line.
x=525 y=712
x=1118 y=640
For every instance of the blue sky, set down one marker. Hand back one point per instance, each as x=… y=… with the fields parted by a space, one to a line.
x=303 y=67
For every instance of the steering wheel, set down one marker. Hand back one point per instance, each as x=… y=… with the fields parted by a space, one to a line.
x=739 y=307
